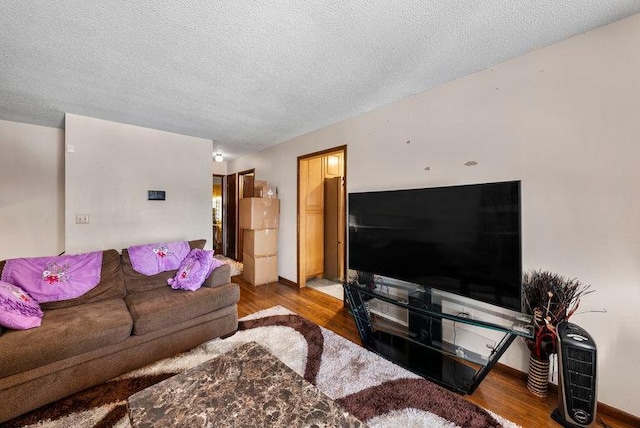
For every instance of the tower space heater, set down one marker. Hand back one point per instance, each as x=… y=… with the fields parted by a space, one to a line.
x=576 y=377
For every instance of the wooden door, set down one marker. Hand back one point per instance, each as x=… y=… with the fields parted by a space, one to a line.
x=246 y=180
x=247 y=185
x=334 y=228
x=312 y=210
x=218 y=195
x=313 y=169
x=230 y=215
x=333 y=164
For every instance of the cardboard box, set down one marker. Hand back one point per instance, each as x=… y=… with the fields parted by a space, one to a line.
x=260 y=243
x=258 y=188
x=259 y=270
x=262 y=189
x=259 y=213
x=260 y=183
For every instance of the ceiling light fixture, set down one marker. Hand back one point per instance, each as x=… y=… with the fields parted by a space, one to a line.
x=218 y=157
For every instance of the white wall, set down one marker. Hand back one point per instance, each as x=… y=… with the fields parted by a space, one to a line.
x=564 y=120
x=219 y=168
x=109 y=168
x=31 y=190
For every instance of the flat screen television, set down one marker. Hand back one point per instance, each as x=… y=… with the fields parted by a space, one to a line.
x=460 y=239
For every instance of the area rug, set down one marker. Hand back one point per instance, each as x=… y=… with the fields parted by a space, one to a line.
x=327 y=286
x=366 y=385
x=236 y=267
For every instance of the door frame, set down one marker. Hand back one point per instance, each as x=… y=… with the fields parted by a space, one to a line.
x=240 y=194
x=301 y=278
x=252 y=172
x=223 y=195
x=230 y=218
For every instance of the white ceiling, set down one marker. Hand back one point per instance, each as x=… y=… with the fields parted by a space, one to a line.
x=251 y=74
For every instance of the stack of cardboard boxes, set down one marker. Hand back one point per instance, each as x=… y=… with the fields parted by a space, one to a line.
x=259 y=219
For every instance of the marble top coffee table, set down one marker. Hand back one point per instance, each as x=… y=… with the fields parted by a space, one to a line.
x=246 y=387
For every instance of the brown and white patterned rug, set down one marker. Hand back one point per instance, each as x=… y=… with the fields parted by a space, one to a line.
x=371 y=388
x=236 y=267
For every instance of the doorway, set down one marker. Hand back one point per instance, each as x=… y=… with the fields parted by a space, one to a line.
x=236 y=186
x=322 y=217
x=229 y=215
x=246 y=184
x=217 y=204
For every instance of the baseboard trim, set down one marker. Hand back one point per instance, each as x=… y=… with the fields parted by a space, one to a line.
x=620 y=415
x=604 y=410
x=287 y=282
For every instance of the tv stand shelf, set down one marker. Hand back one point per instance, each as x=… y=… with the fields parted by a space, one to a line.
x=439 y=337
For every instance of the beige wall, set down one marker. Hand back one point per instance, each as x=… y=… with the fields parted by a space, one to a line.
x=31 y=190
x=564 y=121
x=109 y=168
x=219 y=168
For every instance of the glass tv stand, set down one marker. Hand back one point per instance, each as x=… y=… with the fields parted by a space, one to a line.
x=450 y=340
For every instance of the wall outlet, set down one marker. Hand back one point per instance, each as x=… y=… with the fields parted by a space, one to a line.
x=82 y=218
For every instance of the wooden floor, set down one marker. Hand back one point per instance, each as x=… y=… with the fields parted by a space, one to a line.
x=503 y=391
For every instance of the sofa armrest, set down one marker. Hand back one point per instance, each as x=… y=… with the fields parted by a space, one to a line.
x=220 y=275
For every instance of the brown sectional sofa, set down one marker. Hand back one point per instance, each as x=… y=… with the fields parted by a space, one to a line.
x=127 y=321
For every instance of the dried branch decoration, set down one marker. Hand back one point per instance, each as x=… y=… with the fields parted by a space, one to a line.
x=550 y=298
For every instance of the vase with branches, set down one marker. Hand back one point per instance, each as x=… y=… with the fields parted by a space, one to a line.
x=551 y=298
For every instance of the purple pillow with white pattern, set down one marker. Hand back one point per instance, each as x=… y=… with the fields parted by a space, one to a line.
x=18 y=310
x=194 y=270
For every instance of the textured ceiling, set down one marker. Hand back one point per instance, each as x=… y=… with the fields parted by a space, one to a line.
x=250 y=74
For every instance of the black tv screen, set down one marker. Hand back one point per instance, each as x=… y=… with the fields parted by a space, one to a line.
x=460 y=239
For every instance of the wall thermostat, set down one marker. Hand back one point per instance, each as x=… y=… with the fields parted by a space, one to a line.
x=156 y=195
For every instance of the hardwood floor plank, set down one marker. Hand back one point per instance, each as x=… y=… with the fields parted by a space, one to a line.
x=503 y=391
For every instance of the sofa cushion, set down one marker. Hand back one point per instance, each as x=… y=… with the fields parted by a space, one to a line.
x=64 y=333
x=136 y=282
x=156 y=309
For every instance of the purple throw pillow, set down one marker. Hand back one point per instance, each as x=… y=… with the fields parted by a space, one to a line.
x=18 y=310
x=194 y=270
